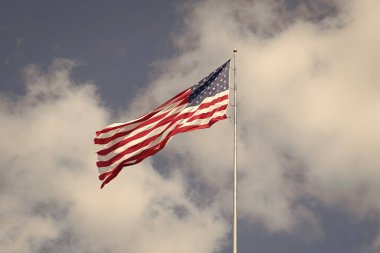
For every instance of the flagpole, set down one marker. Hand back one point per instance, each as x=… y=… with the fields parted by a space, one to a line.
x=234 y=161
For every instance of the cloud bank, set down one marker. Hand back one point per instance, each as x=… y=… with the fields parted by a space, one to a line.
x=309 y=109
x=50 y=197
x=309 y=115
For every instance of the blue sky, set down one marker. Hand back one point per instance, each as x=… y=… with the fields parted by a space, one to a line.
x=119 y=36
x=308 y=131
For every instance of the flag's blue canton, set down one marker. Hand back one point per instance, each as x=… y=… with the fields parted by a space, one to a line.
x=214 y=83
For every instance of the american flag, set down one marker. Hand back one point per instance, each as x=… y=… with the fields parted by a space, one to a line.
x=200 y=106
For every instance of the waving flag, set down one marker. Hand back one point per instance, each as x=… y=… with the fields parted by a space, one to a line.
x=200 y=106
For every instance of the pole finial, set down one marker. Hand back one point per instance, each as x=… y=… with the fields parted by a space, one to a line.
x=235 y=50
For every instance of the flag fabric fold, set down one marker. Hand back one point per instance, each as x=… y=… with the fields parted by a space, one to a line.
x=200 y=106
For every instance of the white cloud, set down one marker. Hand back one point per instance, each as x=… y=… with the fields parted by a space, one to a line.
x=50 y=197
x=308 y=129
x=308 y=104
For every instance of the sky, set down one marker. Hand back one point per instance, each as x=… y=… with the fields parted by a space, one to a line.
x=308 y=75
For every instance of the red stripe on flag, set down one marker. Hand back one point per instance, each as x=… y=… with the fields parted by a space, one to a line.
x=148 y=115
x=160 y=123
x=108 y=176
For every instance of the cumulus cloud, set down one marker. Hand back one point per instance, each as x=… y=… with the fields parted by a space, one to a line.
x=308 y=107
x=50 y=197
x=309 y=115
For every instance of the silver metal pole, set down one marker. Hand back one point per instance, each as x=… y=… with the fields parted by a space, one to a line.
x=234 y=160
